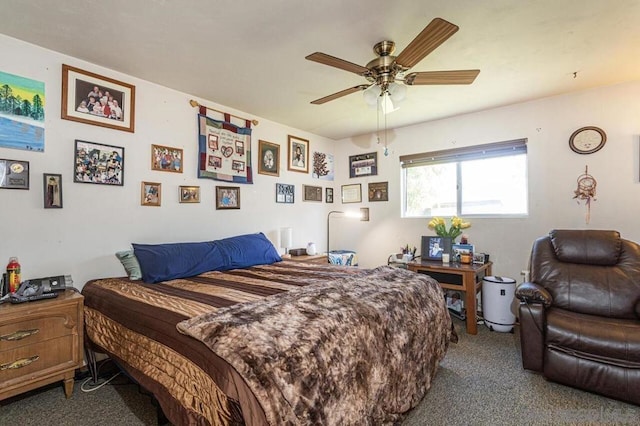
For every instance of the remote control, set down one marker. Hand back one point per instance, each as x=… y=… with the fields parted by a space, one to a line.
x=22 y=299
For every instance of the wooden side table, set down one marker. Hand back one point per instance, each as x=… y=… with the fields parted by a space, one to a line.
x=315 y=258
x=40 y=343
x=458 y=276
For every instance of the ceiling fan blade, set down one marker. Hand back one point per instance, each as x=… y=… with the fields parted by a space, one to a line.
x=340 y=94
x=332 y=61
x=437 y=32
x=441 y=77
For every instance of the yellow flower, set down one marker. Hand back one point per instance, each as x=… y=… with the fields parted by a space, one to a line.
x=439 y=225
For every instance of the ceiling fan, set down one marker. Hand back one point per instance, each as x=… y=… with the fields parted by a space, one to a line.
x=387 y=70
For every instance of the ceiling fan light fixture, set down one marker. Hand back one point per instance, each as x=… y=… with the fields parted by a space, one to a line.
x=371 y=95
x=397 y=92
x=386 y=104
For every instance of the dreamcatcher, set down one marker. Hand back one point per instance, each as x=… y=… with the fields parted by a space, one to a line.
x=586 y=191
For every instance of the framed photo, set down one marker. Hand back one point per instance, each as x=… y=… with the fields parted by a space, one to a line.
x=462 y=253
x=166 y=159
x=151 y=194
x=311 y=193
x=94 y=99
x=379 y=191
x=298 y=154
x=433 y=246
x=364 y=214
x=479 y=258
x=189 y=194
x=268 y=158
x=227 y=197
x=52 y=189
x=98 y=163
x=351 y=193
x=363 y=165
x=14 y=174
x=329 y=195
x=285 y=193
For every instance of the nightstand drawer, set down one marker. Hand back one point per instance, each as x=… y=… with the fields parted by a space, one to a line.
x=37 y=327
x=24 y=361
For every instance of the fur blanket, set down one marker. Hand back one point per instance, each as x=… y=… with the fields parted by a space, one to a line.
x=354 y=351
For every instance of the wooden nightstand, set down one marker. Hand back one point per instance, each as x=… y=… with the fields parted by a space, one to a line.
x=316 y=258
x=40 y=343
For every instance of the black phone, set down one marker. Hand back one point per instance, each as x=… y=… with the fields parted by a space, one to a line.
x=49 y=284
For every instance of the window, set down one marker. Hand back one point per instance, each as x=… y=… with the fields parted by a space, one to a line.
x=482 y=180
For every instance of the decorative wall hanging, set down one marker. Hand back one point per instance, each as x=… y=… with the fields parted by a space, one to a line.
x=379 y=191
x=166 y=159
x=311 y=193
x=323 y=167
x=329 y=195
x=363 y=165
x=94 y=99
x=22 y=109
x=224 y=150
x=14 y=174
x=586 y=191
x=285 y=193
x=151 y=194
x=98 y=163
x=351 y=193
x=298 y=158
x=189 y=194
x=227 y=197
x=52 y=188
x=268 y=158
x=587 y=140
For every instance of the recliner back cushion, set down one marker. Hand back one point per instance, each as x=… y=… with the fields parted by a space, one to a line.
x=595 y=289
x=589 y=247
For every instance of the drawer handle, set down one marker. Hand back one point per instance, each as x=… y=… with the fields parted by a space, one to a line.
x=19 y=335
x=18 y=363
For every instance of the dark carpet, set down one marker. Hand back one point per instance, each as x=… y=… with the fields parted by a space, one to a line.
x=480 y=382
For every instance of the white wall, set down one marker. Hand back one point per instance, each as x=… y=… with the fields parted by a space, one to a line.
x=553 y=173
x=97 y=220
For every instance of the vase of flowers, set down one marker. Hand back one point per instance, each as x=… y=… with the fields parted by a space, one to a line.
x=439 y=225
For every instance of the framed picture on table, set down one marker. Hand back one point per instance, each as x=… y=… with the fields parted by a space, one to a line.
x=433 y=247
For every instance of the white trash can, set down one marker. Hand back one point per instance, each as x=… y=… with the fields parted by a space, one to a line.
x=497 y=301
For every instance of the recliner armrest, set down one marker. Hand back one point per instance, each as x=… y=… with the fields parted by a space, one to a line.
x=533 y=293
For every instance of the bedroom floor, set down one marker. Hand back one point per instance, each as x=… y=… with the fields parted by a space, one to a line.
x=480 y=382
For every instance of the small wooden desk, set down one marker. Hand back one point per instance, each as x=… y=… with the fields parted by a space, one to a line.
x=458 y=276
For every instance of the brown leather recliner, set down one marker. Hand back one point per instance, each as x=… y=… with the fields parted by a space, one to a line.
x=580 y=312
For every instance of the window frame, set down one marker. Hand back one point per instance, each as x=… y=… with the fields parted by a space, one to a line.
x=457 y=156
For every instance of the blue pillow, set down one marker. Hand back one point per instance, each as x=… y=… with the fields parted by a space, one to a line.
x=247 y=250
x=162 y=262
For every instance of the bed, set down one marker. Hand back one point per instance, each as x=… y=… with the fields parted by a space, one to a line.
x=274 y=343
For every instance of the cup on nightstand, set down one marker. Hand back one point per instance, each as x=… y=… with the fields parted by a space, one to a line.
x=445 y=258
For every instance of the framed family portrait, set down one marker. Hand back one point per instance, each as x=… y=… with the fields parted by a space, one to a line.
x=189 y=194
x=151 y=194
x=363 y=165
x=311 y=193
x=329 y=195
x=98 y=163
x=166 y=159
x=285 y=193
x=52 y=186
x=268 y=158
x=351 y=193
x=298 y=158
x=227 y=197
x=95 y=99
x=379 y=191
x=14 y=174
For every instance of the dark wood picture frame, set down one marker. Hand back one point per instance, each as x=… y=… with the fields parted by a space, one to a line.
x=91 y=159
x=432 y=247
x=268 y=158
x=311 y=193
x=227 y=197
x=166 y=158
x=298 y=154
x=379 y=191
x=119 y=98
x=329 y=195
x=52 y=190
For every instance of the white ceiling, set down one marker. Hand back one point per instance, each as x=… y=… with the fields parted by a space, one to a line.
x=250 y=55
